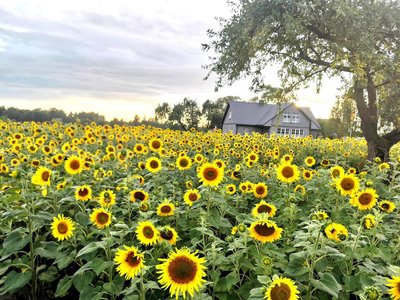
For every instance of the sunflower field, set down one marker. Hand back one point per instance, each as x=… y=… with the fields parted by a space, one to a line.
x=116 y=212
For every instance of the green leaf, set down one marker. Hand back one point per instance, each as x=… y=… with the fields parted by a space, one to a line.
x=14 y=281
x=91 y=247
x=4 y=266
x=82 y=280
x=91 y=293
x=15 y=240
x=327 y=283
x=63 y=286
x=49 y=275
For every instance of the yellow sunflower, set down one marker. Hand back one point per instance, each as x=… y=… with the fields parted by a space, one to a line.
x=100 y=217
x=265 y=231
x=230 y=189
x=365 y=199
x=336 y=172
x=182 y=272
x=183 y=162
x=62 y=227
x=191 y=196
x=139 y=195
x=282 y=288
x=73 y=165
x=41 y=177
x=383 y=166
x=107 y=198
x=336 y=232
x=210 y=174
x=147 y=234
x=169 y=235
x=369 y=221
x=130 y=262
x=394 y=285
x=347 y=184
x=83 y=193
x=155 y=144
x=153 y=164
x=307 y=175
x=287 y=173
x=300 y=189
x=165 y=209
x=264 y=207
x=260 y=190
x=387 y=206
x=310 y=161
x=319 y=215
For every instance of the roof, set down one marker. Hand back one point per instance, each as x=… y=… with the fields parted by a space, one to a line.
x=260 y=114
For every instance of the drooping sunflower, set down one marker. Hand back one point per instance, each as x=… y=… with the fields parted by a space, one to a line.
x=165 y=209
x=107 y=198
x=287 y=173
x=230 y=189
x=73 y=165
x=100 y=217
x=336 y=232
x=282 y=288
x=394 y=285
x=153 y=164
x=210 y=174
x=83 y=193
x=387 y=206
x=138 y=195
x=169 y=235
x=310 y=161
x=347 y=184
x=336 y=172
x=191 y=196
x=147 y=234
x=62 y=227
x=260 y=190
x=300 y=189
x=42 y=177
x=182 y=272
x=130 y=262
x=265 y=231
x=264 y=207
x=369 y=221
x=365 y=199
x=139 y=178
x=183 y=163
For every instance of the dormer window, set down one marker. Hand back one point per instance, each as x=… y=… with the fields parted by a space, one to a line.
x=287 y=118
x=291 y=118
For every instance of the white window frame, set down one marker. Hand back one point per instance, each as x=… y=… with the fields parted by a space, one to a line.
x=296 y=118
x=296 y=132
x=230 y=115
x=282 y=131
x=287 y=118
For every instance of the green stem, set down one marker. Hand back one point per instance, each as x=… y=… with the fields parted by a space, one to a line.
x=312 y=265
x=142 y=292
x=31 y=251
x=350 y=270
x=109 y=258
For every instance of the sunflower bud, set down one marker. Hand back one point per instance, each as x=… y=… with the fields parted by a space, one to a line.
x=372 y=293
x=144 y=207
x=242 y=227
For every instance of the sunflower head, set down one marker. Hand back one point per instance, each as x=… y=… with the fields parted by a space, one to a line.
x=191 y=196
x=264 y=207
x=365 y=199
x=153 y=164
x=129 y=262
x=287 y=173
x=147 y=234
x=387 y=206
x=42 y=177
x=260 y=190
x=183 y=163
x=282 y=288
x=394 y=287
x=336 y=232
x=265 y=231
x=62 y=227
x=138 y=195
x=347 y=184
x=73 y=165
x=83 y=193
x=169 y=235
x=165 y=209
x=100 y=217
x=210 y=174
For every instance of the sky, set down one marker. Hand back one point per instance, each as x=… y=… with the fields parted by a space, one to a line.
x=118 y=58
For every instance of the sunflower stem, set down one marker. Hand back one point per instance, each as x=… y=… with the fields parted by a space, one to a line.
x=31 y=212
x=142 y=291
x=108 y=254
x=312 y=265
x=350 y=270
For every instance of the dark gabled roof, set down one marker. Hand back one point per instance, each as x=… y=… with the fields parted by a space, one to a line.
x=259 y=114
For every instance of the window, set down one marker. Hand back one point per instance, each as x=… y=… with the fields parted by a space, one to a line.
x=295 y=118
x=282 y=131
x=291 y=118
x=297 y=132
x=286 y=118
x=230 y=115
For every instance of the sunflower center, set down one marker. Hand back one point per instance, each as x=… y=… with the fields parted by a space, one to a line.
x=156 y=144
x=165 y=209
x=210 y=174
x=74 y=165
x=252 y=157
x=132 y=260
x=287 y=172
x=264 y=229
x=45 y=175
x=260 y=190
x=264 y=209
x=280 y=292
x=182 y=270
x=365 y=198
x=192 y=197
x=347 y=184
x=148 y=232
x=102 y=218
x=140 y=196
x=139 y=148
x=154 y=164
x=307 y=174
x=310 y=161
x=325 y=162
x=183 y=162
x=168 y=235
x=62 y=227
x=335 y=173
x=385 y=206
x=83 y=192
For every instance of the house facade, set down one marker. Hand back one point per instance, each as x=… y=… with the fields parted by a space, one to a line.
x=283 y=119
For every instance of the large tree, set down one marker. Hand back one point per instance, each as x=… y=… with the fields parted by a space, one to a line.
x=185 y=114
x=358 y=40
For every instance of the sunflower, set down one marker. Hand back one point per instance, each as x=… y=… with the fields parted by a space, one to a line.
x=394 y=285
x=169 y=235
x=260 y=190
x=139 y=195
x=383 y=166
x=191 y=196
x=319 y=215
x=336 y=232
x=265 y=231
x=282 y=288
x=107 y=198
x=73 y=165
x=165 y=209
x=155 y=145
x=182 y=272
x=325 y=162
x=230 y=189
x=100 y=217
x=387 y=206
x=41 y=177
x=336 y=172
x=139 y=178
x=153 y=164
x=310 y=161
x=347 y=184
x=139 y=148
x=287 y=173
x=264 y=207
x=130 y=262
x=300 y=189
x=183 y=162
x=307 y=175
x=210 y=174
x=83 y=193
x=352 y=170
x=146 y=233
x=286 y=159
x=365 y=199
x=369 y=221
x=62 y=227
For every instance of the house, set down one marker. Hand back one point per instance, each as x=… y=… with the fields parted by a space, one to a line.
x=283 y=119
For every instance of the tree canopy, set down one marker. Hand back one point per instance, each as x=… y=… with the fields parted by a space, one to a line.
x=358 y=40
